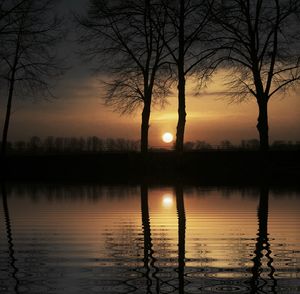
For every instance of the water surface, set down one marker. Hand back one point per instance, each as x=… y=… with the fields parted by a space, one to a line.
x=140 y=239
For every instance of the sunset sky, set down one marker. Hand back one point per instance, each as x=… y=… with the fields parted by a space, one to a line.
x=79 y=110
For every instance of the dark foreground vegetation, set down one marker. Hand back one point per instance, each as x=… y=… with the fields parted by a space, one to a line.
x=197 y=167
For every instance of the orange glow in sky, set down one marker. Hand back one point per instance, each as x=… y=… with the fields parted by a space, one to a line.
x=79 y=111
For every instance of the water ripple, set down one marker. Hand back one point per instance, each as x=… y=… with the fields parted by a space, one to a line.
x=202 y=242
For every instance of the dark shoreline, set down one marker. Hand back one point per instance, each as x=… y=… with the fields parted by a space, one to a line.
x=196 y=167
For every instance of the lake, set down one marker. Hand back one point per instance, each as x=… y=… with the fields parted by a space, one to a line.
x=89 y=238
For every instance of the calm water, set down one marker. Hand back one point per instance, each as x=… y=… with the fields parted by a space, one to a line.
x=95 y=239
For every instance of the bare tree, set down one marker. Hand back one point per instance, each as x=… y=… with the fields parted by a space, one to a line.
x=28 y=39
x=121 y=37
x=185 y=39
x=259 y=42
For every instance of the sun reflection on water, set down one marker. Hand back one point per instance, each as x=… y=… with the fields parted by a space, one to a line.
x=167 y=200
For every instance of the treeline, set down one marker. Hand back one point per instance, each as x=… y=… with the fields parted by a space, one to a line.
x=251 y=144
x=95 y=144
x=72 y=145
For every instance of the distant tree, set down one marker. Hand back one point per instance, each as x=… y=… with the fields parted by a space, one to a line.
x=124 y=33
x=75 y=144
x=202 y=145
x=89 y=144
x=189 y=145
x=20 y=146
x=97 y=144
x=185 y=38
x=284 y=145
x=110 y=144
x=59 y=144
x=29 y=34
x=226 y=144
x=250 y=144
x=259 y=42
x=82 y=144
x=48 y=144
x=35 y=143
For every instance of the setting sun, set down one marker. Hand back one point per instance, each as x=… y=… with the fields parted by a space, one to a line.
x=167 y=137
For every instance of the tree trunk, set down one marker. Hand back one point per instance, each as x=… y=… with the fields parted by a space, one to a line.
x=181 y=82
x=181 y=115
x=145 y=126
x=263 y=125
x=7 y=118
x=10 y=96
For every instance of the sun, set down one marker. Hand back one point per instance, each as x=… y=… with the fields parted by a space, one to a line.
x=167 y=137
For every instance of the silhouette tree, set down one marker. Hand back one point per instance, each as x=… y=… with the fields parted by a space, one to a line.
x=184 y=39
x=124 y=33
x=259 y=41
x=28 y=38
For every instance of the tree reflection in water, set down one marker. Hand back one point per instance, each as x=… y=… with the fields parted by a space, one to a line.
x=181 y=236
x=11 y=250
x=163 y=284
x=258 y=283
x=149 y=260
x=144 y=248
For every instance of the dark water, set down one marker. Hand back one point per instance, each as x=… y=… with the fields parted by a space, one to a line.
x=95 y=239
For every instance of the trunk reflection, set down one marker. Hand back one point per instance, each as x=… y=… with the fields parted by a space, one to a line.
x=181 y=236
x=258 y=282
x=10 y=241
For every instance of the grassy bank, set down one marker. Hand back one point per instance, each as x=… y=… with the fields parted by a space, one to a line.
x=195 y=166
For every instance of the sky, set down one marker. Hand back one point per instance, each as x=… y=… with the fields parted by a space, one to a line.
x=78 y=109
